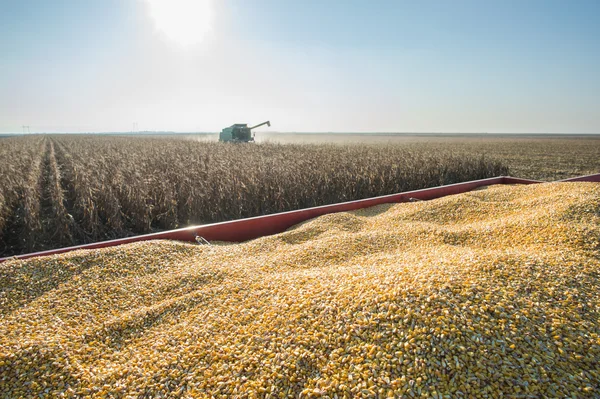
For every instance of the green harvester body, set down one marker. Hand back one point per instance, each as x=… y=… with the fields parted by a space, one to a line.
x=239 y=133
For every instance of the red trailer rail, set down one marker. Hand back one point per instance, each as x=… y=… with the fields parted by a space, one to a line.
x=250 y=228
x=589 y=178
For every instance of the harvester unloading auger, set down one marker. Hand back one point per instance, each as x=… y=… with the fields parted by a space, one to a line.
x=240 y=132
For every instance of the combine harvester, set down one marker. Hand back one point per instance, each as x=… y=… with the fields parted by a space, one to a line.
x=260 y=226
x=239 y=133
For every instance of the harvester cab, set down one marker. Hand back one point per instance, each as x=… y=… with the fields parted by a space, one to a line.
x=239 y=133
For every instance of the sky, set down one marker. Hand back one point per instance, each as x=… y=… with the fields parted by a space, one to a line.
x=307 y=66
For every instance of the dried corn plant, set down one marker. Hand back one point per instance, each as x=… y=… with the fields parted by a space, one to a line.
x=20 y=184
x=78 y=189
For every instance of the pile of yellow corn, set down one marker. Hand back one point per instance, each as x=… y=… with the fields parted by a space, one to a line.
x=488 y=294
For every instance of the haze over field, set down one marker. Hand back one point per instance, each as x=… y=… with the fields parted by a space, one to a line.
x=334 y=66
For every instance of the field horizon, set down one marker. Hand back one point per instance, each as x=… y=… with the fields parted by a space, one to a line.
x=309 y=133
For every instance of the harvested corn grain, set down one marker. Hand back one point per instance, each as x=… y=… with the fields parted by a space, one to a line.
x=486 y=294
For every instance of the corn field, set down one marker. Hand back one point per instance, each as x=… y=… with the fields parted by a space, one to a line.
x=64 y=190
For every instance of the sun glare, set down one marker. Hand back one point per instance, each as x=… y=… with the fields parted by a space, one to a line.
x=184 y=22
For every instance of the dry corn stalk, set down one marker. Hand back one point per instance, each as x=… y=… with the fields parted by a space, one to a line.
x=114 y=187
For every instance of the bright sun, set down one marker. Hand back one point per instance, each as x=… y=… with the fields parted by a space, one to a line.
x=185 y=22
